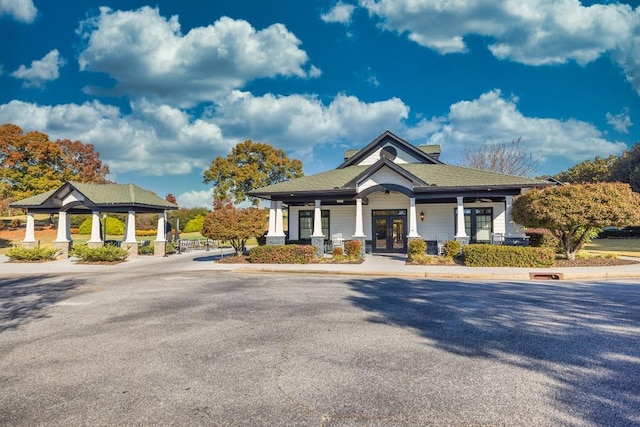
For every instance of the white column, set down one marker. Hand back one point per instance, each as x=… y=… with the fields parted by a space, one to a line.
x=511 y=228
x=279 y=220
x=63 y=228
x=130 y=228
x=317 y=221
x=413 y=222
x=95 y=228
x=272 y=219
x=359 y=226
x=30 y=233
x=162 y=229
x=460 y=219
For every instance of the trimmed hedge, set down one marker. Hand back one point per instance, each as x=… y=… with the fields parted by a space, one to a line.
x=452 y=248
x=282 y=254
x=416 y=248
x=108 y=253
x=507 y=256
x=353 y=249
x=18 y=253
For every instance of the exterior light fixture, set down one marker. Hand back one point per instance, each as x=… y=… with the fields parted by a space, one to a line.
x=421 y=216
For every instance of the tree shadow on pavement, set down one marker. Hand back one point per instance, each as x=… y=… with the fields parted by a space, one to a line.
x=584 y=336
x=26 y=299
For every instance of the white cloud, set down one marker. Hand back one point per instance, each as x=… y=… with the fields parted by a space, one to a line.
x=620 y=122
x=196 y=199
x=533 y=32
x=493 y=117
x=298 y=123
x=149 y=57
x=153 y=140
x=41 y=71
x=20 y=10
x=341 y=13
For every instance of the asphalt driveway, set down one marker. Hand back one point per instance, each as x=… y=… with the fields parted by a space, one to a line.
x=216 y=348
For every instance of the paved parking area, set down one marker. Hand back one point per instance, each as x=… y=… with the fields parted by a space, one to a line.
x=218 y=348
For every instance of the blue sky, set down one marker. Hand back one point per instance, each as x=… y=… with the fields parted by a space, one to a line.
x=161 y=89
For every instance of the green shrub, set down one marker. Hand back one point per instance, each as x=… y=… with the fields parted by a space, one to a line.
x=146 y=233
x=507 y=256
x=146 y=250
x=353 y=248
x=337 y=252
x=452 y=248
x=285 y=254
x=18 y=253
x=108 y=253
x=114 y=226
x=416 y=248
x=194 y=225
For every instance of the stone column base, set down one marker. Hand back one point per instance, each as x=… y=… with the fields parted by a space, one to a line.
x=63 y=249
x=159 y=248
x=318 y=242
x=29 y=245
x=276 y=240
x=132 y=248
x=463 y=240
x=95 y=245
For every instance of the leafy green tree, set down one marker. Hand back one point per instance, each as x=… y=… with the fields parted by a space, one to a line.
x=249 y=166
x=194 y=225
x=627 y=168
x=575 y=213
x=599 y=169
x=234 y=225
x=184 y=215
x=31 y=164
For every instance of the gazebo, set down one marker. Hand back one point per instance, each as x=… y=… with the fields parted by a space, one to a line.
x=94 y=199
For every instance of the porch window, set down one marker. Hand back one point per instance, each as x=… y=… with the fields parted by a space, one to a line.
x=478 y=224
x=305 y=220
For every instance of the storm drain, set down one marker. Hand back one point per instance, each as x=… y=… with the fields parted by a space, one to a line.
x=545 y=276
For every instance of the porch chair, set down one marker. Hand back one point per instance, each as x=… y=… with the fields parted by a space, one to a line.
x=441 y=238
x=337 y=241
x=497 y=239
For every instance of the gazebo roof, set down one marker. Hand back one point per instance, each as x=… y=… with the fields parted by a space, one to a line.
x=79 y=197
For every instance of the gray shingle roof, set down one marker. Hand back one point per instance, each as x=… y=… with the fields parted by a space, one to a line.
x=440 y=175
x=104 y=195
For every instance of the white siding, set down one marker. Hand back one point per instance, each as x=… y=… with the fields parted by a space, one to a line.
x=402 y=157
x=438 y=218
x=384 y=176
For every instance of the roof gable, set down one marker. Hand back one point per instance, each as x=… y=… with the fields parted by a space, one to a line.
x=385 y=163
x=388 y=138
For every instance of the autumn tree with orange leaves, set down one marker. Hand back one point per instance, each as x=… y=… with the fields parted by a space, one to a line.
x=31 y=164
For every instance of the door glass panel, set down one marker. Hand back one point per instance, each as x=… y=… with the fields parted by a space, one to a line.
x=398 y=233
x=483 y=228
x=381 y=233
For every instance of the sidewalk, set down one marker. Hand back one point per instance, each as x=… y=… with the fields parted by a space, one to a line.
x=374 y=265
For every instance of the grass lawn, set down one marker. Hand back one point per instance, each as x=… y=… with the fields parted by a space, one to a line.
x=628 y=247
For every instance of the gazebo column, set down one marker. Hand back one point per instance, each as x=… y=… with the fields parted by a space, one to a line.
x=276 y=231
x=317 y=238
x=160 y=244
x=461 y=234
x=63 y=239
x=95 y=241
x=130 y=243
x=359 y=232
x=30 y=233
